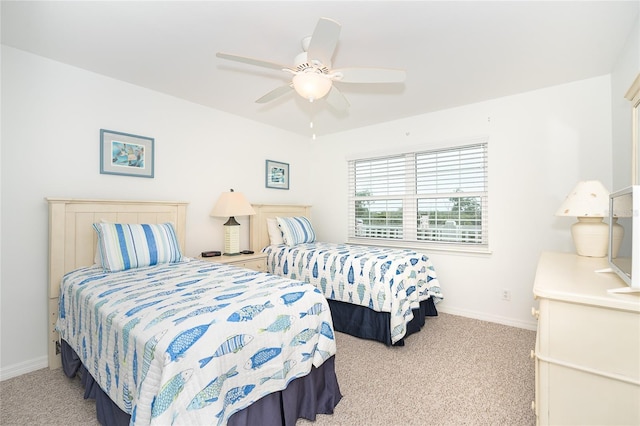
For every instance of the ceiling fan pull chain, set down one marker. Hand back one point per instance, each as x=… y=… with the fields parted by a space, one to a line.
x=313 y=133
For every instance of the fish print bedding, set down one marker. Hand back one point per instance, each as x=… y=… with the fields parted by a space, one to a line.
x=382 y=279
x=192 y=342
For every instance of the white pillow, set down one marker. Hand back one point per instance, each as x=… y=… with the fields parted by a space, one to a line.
x=128 y=246
x=275 y=234
x=296 y=230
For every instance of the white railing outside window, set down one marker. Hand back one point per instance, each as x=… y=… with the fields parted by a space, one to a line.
x=427 y=198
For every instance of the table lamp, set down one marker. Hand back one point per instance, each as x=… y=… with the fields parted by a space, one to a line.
x=232 y=204
x=589 y=202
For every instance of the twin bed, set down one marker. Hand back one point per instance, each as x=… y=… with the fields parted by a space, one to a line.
x=374 y=293
x=161 y=339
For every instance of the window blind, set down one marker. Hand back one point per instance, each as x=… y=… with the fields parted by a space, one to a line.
x=428 y=197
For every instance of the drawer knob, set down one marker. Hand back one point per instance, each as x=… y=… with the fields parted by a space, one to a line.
x=532 y=355
x=535 y=313
x=533 y=405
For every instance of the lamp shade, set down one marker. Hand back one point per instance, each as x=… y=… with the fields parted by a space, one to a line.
x=588 y=199
x=311 y=85
x=232 y=204
x=589 y=202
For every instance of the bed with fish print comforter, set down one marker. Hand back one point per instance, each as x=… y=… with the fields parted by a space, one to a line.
x=192 y=342
x=394 y=281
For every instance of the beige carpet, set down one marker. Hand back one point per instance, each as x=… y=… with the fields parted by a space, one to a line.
x=456 y=371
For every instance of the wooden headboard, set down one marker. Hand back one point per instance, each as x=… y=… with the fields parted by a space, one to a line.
x=73 y=241
x=258 y=222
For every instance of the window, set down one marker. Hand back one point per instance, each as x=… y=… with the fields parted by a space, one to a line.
x=428 y=198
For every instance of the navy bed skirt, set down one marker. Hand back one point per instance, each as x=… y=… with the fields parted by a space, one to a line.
x=360 y=321
x=316 y=393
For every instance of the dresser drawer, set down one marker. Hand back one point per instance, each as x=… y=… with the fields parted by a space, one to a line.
x=257 y=265
x=602 y=340
x=254 y=261
x=569 y=391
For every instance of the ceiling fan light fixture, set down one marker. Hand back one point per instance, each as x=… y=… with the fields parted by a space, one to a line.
x=313 y=75
x=311 y=85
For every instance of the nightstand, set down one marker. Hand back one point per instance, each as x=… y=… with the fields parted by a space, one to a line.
x=256 y=261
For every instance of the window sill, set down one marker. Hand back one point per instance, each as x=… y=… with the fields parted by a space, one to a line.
x=423 y=248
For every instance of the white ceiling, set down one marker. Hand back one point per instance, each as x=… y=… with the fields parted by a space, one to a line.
x=454 y=52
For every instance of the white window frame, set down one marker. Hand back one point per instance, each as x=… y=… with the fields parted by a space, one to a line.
x=474 y=240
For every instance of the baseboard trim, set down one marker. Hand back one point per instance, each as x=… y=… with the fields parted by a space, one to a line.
x=23 y=368
x=483 y=316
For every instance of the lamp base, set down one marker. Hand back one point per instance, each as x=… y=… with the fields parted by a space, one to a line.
x=590 y=236
x=231 y=238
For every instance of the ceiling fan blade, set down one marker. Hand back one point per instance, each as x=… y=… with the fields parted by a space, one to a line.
x=370 y=75
x=275 y=93
x=323 y=41
x=336 y=100
x=251 y=61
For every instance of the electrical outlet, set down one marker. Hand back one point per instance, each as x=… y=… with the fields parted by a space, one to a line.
x=506 y=294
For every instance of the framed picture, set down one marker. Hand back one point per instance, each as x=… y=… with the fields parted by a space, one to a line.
x=277 y=175
x=125 y=154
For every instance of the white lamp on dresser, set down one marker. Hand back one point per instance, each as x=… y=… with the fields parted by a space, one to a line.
x=589 y=202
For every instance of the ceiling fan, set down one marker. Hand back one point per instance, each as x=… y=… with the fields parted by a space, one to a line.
x=312 y=75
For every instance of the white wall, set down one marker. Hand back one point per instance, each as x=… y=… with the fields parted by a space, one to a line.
x=51 y=118
x=541 y=144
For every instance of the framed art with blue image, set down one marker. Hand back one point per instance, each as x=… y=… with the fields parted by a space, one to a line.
x=126 y=154
x=277 y=175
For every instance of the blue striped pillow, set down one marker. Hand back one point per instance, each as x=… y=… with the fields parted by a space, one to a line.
x=128 y=246
x=296 y=230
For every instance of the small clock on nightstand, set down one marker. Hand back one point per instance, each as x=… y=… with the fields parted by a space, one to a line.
x=255 y=261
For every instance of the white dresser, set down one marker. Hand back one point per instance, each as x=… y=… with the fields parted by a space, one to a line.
x=587 y=351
